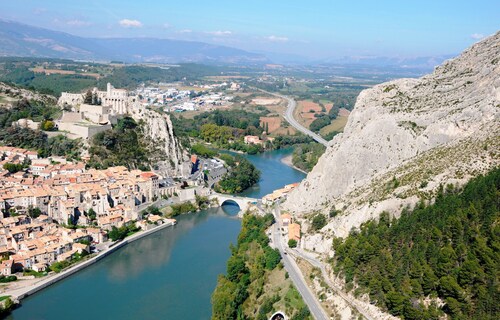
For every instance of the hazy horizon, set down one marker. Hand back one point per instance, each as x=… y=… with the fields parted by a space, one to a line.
x=324 y=30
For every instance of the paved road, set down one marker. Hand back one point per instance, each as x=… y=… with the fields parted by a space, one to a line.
x=315 y=262
x=294 y=272
x=289 y=117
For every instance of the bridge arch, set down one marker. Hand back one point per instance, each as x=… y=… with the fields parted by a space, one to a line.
x=242 y=202
x=230 y=202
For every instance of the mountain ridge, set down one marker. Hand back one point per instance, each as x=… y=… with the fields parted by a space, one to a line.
x=19 y=39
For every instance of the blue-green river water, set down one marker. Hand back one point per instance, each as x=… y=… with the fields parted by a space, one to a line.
x=170 y=274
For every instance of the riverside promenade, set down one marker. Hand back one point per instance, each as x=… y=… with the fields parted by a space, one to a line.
x=21 y=293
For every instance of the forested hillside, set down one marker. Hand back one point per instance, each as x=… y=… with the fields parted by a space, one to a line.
x=448 y=251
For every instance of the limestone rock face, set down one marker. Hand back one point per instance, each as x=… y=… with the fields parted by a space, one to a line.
x=407 y=136
x=158 y=130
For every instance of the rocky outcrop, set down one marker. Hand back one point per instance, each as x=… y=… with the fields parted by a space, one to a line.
x=166 y=150
x=14 y=93
x=406 y=137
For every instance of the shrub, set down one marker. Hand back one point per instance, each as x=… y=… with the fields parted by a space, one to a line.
x=333 y=213
x=318 y=221
x=4 y=279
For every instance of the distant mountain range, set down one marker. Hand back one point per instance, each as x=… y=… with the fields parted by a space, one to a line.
x=400 y=62
x=17 y=39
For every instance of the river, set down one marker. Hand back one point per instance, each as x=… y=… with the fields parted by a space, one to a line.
x=170 y=274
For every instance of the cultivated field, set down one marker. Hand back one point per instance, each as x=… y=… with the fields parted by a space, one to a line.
x=305 y=111
x=273 y=123
x=337 y=124
x=277 y=124
x=59 y=71
x=266 y=101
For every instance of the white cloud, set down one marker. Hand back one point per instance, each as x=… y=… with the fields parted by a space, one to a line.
x=477 y=36
x=127 y=23
x=78 y=23
x=220 y=33
x=39 y=11
x=185 y=31
x=167 y=25
x=277 y=39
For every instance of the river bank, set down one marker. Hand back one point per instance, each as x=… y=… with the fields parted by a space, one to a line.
x=288 y=161
x=23 y=292
x=157 y=275
x=169 y=274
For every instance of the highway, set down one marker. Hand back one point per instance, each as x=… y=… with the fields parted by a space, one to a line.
x=291 y=120
x=293 y=270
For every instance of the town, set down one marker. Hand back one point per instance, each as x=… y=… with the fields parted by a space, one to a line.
x=52 y=209
x=57 y=212
x=53 y=206
x=206 y=97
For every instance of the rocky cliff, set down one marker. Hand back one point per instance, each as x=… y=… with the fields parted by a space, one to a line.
x=403 y=139
x=166 y=150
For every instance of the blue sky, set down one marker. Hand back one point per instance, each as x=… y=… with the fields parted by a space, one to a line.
x=314 y=28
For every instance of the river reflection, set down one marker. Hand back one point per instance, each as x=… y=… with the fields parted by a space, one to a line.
x=138 y=257
x=166 y=273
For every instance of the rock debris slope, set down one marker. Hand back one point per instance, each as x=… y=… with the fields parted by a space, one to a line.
x=404 y=138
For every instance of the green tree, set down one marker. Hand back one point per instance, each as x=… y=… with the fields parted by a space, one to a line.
x=48 y=125
x=13 y=167
x=87 y=99
x=240 y=177
x=34 y=212
x=318 y=221
x=446 y=250
x=91 y=214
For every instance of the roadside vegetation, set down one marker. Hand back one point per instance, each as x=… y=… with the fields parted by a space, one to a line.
x=305 y=156
x=445 y=252
x=122 y=232
x=61 y=265
x=245 y=292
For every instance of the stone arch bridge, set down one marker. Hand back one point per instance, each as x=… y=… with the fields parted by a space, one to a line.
x=242 y=202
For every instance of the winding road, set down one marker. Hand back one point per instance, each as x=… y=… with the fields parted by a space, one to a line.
x=291 y=267
x=292 y=104
x=293 y=270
